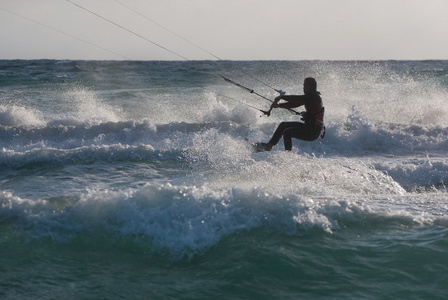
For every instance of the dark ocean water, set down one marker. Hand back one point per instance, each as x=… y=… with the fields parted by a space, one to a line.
x=132 y=180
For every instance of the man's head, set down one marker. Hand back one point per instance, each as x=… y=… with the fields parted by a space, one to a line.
x=309 y=85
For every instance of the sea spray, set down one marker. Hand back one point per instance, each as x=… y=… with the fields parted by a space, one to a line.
x=11 y=116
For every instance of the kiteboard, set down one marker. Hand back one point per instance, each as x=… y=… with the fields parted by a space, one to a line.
x=257 y=146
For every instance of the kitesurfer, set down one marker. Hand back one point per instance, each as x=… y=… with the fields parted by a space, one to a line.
x=313 y=119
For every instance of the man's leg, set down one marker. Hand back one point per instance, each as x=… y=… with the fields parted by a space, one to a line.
x=297 y=131
x=302 y=132
x=279 y=132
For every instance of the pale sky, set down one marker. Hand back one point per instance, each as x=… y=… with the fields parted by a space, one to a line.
x=229 y=29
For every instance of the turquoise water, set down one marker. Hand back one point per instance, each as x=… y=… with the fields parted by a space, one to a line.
x=133 y=180
x=375 y=263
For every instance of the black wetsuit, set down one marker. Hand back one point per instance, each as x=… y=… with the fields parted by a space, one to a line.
x=308 y=131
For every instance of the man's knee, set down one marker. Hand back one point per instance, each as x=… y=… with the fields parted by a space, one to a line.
x=288 y=133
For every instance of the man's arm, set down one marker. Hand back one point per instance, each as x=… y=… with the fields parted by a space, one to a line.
x=292 y=101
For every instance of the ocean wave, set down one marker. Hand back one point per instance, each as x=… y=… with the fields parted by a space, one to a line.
x=417 y=174
x=17 y=116
x=63 y=134
x=355 y=136
x=360 y=136
x=37 y=158
x=186 y=220
x=374 y=158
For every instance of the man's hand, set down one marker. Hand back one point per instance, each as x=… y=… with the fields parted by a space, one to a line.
x=276 y=100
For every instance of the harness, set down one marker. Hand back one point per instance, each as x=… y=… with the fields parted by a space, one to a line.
x=315 y=120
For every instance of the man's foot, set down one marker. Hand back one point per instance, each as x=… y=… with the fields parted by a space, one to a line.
x=261 y=147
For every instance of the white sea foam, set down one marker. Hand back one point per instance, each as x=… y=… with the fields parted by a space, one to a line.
x=19 y=116
x=88 y=107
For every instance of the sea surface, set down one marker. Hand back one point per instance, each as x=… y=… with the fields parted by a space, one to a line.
x=132 y=180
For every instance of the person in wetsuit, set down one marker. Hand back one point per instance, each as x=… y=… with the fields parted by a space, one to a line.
x=312 y=128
